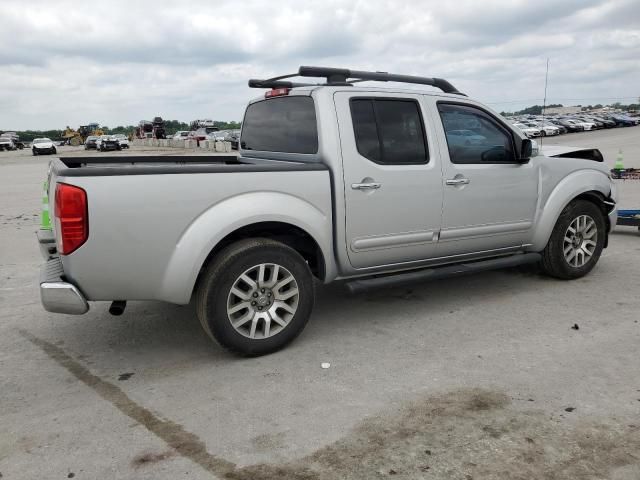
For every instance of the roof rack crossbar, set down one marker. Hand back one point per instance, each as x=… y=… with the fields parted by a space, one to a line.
x=345 y=76
x=342 y=75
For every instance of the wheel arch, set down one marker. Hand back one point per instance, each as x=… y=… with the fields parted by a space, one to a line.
x=585 y=185
x=275 y=215
x=286 y=233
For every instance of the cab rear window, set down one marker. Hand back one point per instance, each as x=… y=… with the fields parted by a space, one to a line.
x=284 y=124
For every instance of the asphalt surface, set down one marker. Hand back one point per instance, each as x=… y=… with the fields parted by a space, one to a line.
x=493 y=376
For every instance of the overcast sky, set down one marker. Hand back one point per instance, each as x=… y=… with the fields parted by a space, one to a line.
x=70 y=63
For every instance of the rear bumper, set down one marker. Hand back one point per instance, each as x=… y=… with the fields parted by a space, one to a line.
x=47 y=243
x=58 y=296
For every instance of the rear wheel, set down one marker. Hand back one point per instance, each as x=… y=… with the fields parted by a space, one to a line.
x=576 y=242
x=255 y=297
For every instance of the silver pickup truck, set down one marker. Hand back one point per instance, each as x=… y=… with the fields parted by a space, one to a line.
x=334 y=181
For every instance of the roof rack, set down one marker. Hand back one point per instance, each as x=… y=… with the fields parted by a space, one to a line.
x=345 y=76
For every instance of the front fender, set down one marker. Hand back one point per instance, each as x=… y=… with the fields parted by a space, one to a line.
x=565 y=191
x=227 y=216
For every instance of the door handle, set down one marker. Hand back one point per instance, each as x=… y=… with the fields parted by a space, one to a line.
x=457 y=181
x=366 y=186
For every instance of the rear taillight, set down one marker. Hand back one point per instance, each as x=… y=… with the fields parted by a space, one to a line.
x=72 y=218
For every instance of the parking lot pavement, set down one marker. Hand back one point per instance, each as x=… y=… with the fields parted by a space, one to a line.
x=480 y=377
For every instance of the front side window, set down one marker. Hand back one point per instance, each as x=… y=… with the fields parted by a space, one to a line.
x=389 y=131
x=283 y=124
x=484 y=141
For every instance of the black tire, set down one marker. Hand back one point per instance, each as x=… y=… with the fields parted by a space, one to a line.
x=554 y=262
x=34 y=152
x=543 y=133
x=220 y=276
x=54 y=151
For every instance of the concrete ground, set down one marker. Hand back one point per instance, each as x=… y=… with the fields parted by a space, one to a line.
x=481 y=377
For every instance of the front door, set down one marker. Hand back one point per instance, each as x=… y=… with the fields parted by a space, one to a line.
x=392 y=180
x=489 y=197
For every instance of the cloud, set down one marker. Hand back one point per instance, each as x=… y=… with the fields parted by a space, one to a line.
x=124 y=61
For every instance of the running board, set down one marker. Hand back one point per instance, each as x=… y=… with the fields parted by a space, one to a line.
x=416 y=276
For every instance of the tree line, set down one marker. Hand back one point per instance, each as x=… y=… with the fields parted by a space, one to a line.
x=170 y=126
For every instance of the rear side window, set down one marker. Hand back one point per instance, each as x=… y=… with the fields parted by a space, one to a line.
x=389 y=131
x=285 y=124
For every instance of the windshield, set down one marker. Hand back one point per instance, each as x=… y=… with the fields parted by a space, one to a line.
x=41 y=140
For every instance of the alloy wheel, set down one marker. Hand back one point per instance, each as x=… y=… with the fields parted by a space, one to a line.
x=262 y=301
x=580 y=240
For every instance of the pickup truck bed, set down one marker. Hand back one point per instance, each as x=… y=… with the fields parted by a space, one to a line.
x=147 y=240
x=154 y=165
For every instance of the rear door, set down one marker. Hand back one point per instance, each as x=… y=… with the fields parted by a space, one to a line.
x=489 y=196
x=392 y=179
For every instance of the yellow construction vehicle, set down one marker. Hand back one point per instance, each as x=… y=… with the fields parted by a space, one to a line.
x=78 y=137
x=71 y=136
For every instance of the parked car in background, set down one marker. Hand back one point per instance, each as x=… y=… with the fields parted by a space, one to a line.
x=596 y=123
x=561 y=129
x=585 y=124
x=122 y=140
x=91 y=143
x=605 y=121
x=528 y=131
x=109 y=143
x=579 y=126
x=546 y=129
x=624 y=120
x=570 y=125
x=10 y=141
x=181 y=135
x=6 y=143
x=218 y=136
x=233 y=137
x=202 y=133
x=99 y=140
x=43 y=146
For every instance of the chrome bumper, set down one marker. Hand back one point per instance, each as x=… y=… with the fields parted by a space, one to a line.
x=56 y=295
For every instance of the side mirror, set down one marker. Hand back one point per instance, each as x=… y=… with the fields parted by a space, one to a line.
x=526 y=151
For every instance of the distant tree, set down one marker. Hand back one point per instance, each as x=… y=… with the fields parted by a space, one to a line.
x=171 y=127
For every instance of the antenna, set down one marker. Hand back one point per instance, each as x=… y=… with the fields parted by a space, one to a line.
x=544 y=100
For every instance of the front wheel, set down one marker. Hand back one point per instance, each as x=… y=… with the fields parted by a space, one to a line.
x=255 y=297
x=576 y=242
x=35 y=152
